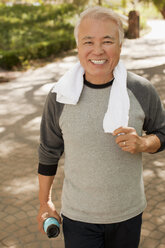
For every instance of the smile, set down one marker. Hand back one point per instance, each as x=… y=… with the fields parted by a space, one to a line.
x=98 y=62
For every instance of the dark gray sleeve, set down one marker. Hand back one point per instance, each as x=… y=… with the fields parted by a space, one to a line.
x=155 y=119
x=51 y=140
x=150 y=102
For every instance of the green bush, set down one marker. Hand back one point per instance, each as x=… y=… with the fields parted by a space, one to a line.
x=10 y=59
x=32 y=32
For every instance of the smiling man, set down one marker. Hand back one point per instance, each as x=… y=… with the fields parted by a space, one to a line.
x=98 y=49
x=97 y=114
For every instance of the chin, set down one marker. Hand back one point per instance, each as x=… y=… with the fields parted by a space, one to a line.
x=99 y=73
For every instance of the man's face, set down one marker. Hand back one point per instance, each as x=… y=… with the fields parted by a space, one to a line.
x=98 y=49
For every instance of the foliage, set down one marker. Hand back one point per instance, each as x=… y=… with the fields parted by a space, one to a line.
x=160 y=5
x=30 y=32
x=77 y=3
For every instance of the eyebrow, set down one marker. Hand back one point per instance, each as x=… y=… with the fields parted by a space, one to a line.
x=105 y=37
x=108 y=37
x=87 y=37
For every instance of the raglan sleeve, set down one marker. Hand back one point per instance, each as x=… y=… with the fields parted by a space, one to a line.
x=51 y=141
x=154 y=116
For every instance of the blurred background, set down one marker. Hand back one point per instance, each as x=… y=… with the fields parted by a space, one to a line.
x=36 y=48
x=32 y=30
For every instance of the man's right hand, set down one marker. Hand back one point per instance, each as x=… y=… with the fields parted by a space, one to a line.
x=46 y=210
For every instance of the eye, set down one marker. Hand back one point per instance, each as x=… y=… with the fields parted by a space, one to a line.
x=108 y=42
x=87 y=43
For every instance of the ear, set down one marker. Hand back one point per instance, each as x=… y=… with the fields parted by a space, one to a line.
x=78 y=51
x=120 y=46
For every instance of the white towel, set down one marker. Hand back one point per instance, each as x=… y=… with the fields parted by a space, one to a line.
x=70 y=86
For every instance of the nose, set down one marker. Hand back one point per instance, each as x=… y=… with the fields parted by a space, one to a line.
x=97 y=49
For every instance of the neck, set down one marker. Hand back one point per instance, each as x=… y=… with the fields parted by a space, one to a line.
x=98 y=80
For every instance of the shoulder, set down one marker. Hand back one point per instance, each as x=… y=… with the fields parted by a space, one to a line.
x=140 y=87
x=51 y=104
x=135 y=81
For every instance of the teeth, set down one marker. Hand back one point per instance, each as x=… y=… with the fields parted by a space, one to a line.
x=98 y=62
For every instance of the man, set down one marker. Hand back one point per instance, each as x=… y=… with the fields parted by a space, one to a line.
x=96 y=114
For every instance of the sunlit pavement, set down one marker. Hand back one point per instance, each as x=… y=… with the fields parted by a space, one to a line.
x=21 y=104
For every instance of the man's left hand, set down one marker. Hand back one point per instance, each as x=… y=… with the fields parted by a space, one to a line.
x=129 y=140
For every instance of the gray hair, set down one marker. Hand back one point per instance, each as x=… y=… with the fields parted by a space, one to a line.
x=101 y=13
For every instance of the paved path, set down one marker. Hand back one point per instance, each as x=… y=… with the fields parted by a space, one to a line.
x=21 y=104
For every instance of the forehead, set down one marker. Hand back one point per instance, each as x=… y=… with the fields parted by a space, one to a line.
x=97 y=28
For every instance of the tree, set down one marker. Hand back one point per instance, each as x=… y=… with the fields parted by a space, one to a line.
x=160 y=5
x=100 y=2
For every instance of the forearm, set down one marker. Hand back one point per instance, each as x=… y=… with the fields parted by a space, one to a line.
x=150 y=143
x=45 y=187
x=47 y=208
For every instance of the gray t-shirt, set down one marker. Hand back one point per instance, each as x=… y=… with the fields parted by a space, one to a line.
x=102 y=183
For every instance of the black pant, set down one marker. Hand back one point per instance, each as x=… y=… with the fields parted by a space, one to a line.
x=125 y=234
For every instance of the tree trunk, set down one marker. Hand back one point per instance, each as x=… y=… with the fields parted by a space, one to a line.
x=133 y=25
x=163 y=11
x=100 y=2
